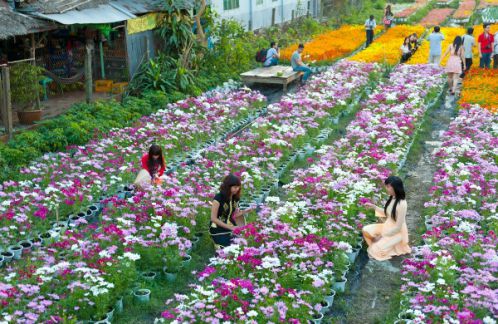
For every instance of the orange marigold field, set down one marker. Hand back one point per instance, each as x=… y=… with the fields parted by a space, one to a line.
x=386 y=49
x=480 y=86
x=332 y=45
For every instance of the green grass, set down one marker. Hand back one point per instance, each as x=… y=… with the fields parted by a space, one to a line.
x=358 y=15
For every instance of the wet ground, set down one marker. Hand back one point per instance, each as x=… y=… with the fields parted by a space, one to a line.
x=373 y=292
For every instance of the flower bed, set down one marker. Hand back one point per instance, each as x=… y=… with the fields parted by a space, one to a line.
x=403 y=15
x=385 y=49
x=422 y=54
x=90 y=268
x=487 y=3
x=283 y=266
x=436 y=17
x=490 y=15
x=464 y=11
x=480 y=86
x=453 y=278
x=332 y=45
x=70 y=183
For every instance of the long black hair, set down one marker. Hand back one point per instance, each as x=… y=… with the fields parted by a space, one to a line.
x=399 y=194
x=230 y=181
x=153 y=164
x=457 y=43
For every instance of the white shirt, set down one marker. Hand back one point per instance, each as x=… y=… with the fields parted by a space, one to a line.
x=405 y=49
x=370 y=24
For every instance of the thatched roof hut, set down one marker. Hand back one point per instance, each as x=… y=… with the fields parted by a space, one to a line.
x=15 y=24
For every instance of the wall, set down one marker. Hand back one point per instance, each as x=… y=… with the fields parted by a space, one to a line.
x=261 y=14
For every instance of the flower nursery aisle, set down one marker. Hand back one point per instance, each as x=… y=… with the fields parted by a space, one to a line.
x=375 y=286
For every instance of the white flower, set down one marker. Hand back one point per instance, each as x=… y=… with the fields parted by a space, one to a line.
x=132 y=256
x=441 y=281
x=270 y=262
x=488 y=320
x=252 y=313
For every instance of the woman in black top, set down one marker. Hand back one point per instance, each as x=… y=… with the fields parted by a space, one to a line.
x=225 y=213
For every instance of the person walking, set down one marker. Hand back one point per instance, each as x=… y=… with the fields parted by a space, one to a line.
x=485 y=41
x=388 y=17
x=298 y=65
x=468 y=43
x=390 y=238
x=435 y=40
x=272 y=55
x=495 y=51
x=370 y=25
x=454 y=64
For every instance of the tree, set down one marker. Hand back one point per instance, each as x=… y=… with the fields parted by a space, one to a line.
x=201 y=35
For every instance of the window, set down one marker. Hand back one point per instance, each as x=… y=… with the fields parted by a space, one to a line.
x=259 y=2
x=230 y=4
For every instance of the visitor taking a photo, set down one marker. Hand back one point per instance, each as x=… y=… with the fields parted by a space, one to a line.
x=225 y=213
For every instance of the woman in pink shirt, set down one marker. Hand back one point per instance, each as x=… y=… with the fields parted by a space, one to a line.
x=153 y=167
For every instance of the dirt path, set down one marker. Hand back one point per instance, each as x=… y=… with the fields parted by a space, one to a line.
x=373 y=295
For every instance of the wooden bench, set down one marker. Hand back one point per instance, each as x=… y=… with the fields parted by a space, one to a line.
x=278 y=74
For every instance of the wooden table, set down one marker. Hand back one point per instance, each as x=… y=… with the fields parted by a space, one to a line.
x=278 y=74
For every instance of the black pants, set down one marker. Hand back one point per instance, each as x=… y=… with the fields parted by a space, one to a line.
x=495 y=61
x=221 y=236
x=370 y=36
x=405 y=57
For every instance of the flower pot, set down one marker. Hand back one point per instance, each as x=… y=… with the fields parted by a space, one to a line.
x=195 y=241
x=317 y=318
x=428 y=225
x=170 y=276
x=73 y=220
x=186 y=260
x=352 y=256
x=406 y=316
x=29 y=117
x=325 y=307
x=128 y=191
x=403 y=321
x=110 y=314
x=46 y=238
x=26 y=245
x=17 y=250
x=36 y=241
x=340 y=284
x=1 y=260
x=148 y=275
x=60 y=225
x=7 y=256
x=330 y=297
x=142 y=295
x=118 y=306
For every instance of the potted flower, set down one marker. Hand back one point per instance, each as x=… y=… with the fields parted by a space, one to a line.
x=25 y=87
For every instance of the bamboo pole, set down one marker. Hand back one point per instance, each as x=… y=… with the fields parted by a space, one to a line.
x=88 y=74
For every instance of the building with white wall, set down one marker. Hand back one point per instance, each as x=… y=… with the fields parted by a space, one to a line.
x=255 y=14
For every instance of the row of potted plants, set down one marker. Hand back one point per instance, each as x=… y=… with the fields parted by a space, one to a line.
x=286 y=265
x=133 y=227
x=62 y=185
x=403 y=15
x=464 y=11
x=453 y=277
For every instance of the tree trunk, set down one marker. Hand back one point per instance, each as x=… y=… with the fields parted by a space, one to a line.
x=201 y=36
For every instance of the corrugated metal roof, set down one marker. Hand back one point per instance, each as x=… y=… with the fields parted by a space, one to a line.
x=139 y=7
x=59 y=6
x=102 y=14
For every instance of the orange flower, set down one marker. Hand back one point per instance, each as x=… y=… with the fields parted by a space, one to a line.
x=480 y=86
x=332 y=45
x=386 y=49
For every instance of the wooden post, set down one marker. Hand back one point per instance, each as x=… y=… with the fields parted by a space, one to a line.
x=33 y=56
x=5 y=103
x=88 y=73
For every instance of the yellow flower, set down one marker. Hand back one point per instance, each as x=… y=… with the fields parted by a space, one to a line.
x=386 y=49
